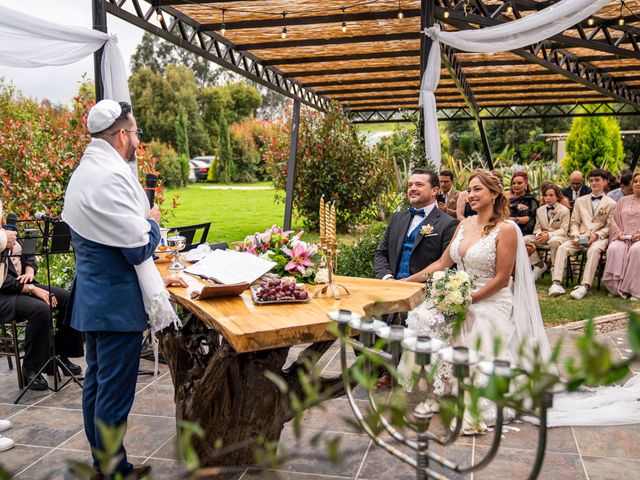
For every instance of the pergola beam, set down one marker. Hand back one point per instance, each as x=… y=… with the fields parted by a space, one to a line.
x=319 y=42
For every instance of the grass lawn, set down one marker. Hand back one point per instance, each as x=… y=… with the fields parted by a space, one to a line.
x=563 y=309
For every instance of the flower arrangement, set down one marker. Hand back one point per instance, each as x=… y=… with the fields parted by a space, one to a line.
x=450 y=291
x=293 y=256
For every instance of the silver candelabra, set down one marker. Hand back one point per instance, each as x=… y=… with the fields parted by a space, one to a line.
x=463 y=361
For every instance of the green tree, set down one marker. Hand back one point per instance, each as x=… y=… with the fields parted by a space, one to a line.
x=156 y=54
x=182 y=135
x=157 y=100
x=225 y=158
x=594 y=142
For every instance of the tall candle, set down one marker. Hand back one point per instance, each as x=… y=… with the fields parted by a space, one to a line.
x=333 y=223
x=323 y=232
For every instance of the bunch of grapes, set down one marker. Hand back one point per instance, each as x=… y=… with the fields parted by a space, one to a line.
x=279 y=290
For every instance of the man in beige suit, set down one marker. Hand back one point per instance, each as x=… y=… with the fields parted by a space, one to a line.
x=552 y=229
x=448 y=194
x=589 y=230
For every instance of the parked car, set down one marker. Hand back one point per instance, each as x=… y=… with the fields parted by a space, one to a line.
x=200 y=169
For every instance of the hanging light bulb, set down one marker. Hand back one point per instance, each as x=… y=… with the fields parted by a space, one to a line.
x=453 y=3
x=509 y=9
x=400 y=14
x=223 y=27
x=344 y=22
x=159 y=16
x=283 y=35
x=591 y=22
x=446 y=14
x=621 y=21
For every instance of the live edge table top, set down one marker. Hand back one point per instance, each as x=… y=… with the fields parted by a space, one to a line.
x=249 y=327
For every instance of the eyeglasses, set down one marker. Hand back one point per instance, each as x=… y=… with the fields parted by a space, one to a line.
x=138 y=132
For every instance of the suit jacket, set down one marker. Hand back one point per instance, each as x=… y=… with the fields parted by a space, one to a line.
x=452 y=202
x=559 y=224
x=584 y=221
x=106 y=296
x=584 y=190
x=426 y=249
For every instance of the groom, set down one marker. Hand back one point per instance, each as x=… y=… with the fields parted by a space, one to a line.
x=416 y=237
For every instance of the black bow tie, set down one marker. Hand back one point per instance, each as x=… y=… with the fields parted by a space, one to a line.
x=414 y=212
x=593 y=197
x=550 y=207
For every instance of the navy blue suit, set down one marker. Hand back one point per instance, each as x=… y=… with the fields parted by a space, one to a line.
x=107 y=305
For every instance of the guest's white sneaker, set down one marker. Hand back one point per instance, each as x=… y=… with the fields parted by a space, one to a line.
x=579 y=292
x=6 y=443
x=539 y=271
x=556 y=290
x=4 y=425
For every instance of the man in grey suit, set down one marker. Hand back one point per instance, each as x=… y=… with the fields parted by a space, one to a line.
x=416 y=237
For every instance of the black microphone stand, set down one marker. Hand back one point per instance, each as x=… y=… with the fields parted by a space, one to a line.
x=54 y=360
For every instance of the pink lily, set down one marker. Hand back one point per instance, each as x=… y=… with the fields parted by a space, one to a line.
x=299 y=257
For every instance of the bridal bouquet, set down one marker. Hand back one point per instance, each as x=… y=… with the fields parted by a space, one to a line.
x=293 y=256
x=450 y=291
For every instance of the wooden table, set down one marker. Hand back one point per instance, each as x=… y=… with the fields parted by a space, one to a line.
x=221 y=384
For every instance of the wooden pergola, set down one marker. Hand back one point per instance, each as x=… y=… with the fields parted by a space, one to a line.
x=368 y=55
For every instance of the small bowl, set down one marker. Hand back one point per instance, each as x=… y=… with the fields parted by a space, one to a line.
x=163 y=256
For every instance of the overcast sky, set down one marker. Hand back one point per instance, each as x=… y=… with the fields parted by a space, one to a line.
x=59 y=84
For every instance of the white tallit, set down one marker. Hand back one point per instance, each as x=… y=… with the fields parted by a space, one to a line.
x=106 y=204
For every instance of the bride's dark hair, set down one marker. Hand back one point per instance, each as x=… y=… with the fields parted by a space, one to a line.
x=501 y=205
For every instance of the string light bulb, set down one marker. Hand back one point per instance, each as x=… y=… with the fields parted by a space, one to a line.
x=283 y=35
x=621 y=21
x=446 y=14
x=452 y=4
x=344 y=22
x=159 y=16
x=591 y=22
x=400 y=13
x=509 y=9
x=223 y=27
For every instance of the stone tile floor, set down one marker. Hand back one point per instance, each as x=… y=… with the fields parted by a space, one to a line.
x=47 y=429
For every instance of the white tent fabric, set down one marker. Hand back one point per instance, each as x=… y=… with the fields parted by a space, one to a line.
x=27 y=41
x=508 y=36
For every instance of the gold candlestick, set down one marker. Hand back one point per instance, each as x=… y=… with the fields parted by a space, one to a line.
x=323 y=232
x=329 y=245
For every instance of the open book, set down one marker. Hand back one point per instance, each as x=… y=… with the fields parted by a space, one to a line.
x=229 y=267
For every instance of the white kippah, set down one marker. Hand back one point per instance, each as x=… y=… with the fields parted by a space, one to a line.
x=103 y=115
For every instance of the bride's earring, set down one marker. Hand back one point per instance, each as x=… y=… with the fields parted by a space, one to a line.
x=493 y=201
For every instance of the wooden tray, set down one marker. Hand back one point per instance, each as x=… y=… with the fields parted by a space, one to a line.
x=257 y=301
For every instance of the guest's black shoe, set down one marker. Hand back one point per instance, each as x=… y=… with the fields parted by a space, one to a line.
x=139 y=471
x=72 y=367
x=39 y=382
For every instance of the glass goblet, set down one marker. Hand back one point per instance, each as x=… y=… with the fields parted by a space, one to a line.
x=176 y=244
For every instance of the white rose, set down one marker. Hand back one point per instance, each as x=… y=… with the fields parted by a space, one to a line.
x=438 y=276
x=455 y=297
x=322 y=276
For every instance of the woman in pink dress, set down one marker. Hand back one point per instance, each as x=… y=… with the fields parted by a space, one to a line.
x=623 y=255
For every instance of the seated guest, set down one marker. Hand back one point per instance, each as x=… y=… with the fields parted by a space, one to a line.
x=22 y=299
x=623 y=255
x=552 y=228
x=625 y=187
x=448 y=194
x=576 y=189
x=562 y=200
x=523 y=204
x=589 y=229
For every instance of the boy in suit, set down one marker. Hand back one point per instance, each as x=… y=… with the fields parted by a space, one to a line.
x=552 y=229
x=589 y=230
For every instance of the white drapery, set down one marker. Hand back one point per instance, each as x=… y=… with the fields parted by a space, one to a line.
x=27 y=41
x=508 y=36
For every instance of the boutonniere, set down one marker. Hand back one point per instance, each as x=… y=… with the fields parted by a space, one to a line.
x=427 y=230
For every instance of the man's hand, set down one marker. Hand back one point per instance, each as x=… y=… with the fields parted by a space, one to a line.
x=174 y=281
x=576 y=240
x=442 y=206
x=11 y=239
x=43 y=295
x=592 y=238
x=635 y=237
x=542 y=237
x=154 y=214
x=27 y=276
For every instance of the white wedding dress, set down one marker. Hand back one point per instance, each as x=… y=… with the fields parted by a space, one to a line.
x=513 y=315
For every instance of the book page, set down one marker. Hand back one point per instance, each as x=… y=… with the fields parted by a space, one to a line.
x=228 y=267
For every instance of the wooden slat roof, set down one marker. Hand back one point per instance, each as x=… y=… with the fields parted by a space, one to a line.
x=375 y=63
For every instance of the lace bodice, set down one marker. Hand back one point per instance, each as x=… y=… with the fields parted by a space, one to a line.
x=480 y=259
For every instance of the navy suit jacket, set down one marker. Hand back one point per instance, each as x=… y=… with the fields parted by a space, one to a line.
x=106 y=295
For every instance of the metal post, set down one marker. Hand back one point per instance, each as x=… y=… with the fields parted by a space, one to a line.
x=99 y=17
x=291 y=165
x=427 y=19
x=485 y=144
x=634 y=158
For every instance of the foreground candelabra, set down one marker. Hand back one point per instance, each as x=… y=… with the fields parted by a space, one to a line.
x=329 y=245
x=427 y=351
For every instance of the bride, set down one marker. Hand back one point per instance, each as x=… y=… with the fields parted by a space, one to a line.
x=505 y=307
